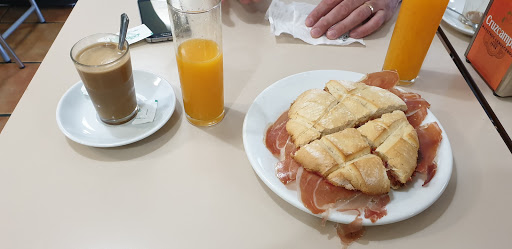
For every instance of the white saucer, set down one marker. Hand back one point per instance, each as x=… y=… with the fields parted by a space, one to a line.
x=78 y=120
x=452 y=18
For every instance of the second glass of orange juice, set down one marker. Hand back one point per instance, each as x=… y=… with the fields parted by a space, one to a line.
x=414 y=31
x=197 y=34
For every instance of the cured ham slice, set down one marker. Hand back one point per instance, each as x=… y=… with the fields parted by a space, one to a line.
x=286 y=170
x=278 y=142
x=351 y=232
x=415 y=101
x=277 y=136
x=376 y=207
x=416 y=106
x=416 y=117
x=318 y=195
x=430 y=138
x=385 y=79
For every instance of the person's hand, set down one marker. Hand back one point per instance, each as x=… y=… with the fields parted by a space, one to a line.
x=336 y=17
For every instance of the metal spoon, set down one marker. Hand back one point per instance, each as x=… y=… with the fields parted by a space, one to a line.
x=122 y=33
x=473 y=25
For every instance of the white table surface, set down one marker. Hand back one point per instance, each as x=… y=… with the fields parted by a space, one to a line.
x=190 y=187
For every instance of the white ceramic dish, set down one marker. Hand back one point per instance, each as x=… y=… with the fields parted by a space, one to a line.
x=77 y=118
x=452 y=18
x=276 y=99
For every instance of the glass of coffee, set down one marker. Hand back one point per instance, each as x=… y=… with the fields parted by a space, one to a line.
x=107 y=75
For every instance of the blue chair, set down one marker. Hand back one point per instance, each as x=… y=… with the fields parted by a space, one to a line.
x=5 y=49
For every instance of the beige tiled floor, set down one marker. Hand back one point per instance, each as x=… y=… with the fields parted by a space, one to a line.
x=31 y=41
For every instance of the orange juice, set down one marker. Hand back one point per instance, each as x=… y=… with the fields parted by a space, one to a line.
x=414 y=31
x=200 y=68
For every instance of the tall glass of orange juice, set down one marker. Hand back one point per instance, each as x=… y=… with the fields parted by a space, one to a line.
x=197 y=34
x=414 y=31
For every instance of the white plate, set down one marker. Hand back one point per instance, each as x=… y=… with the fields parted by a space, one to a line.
x=78 y=120
x=274 y=100
x=452 y=18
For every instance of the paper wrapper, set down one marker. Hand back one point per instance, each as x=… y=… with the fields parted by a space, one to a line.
x=290 y=18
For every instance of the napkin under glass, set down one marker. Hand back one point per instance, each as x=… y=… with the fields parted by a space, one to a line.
x=291 y=18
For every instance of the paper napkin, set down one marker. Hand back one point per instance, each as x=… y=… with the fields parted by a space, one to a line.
x=290 y=18
x=137 y=33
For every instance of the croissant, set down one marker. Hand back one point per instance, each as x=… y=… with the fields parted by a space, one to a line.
x=344 y=159
x=341 y=105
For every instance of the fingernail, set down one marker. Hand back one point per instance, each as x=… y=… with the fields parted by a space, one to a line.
x=309 y=22
x=331 y=34
x=315 y=32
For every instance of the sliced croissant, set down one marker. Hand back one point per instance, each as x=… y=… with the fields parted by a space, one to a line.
x=366 y=173
x=378 y=130
x=400 y=152
x=335 y=149
x=344 y=159
x=305 y=111
x=343 y=104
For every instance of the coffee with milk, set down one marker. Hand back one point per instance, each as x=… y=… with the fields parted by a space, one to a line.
x=107 y=75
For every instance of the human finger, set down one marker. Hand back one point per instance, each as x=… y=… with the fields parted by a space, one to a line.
x=355 y=18
x=337 y=14
x=321 y=10
x=369 y=27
